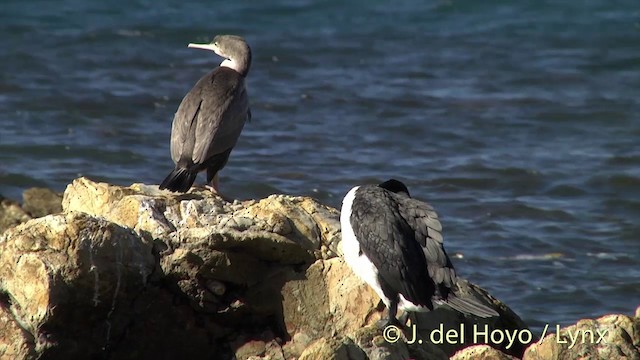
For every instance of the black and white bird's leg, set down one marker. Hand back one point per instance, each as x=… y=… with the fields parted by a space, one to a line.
x=391 y=317
x=404 y=317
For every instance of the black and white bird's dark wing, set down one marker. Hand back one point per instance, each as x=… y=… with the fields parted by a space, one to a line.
x=423 y=219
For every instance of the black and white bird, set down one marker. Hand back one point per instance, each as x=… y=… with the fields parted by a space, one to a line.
x=393 y=242
x=211 y=116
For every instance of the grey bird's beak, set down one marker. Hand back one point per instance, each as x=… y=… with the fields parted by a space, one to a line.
x=210 y=47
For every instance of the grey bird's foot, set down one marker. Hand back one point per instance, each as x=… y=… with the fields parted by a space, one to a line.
x=215 y=191
x=214 y=187
x=211 y=188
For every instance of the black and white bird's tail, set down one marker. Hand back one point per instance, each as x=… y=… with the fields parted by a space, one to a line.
x=179 y=180
x=470 y=305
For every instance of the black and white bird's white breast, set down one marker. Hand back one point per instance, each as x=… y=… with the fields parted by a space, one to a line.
x=352 y=252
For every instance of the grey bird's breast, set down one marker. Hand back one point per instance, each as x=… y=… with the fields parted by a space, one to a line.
x=210 y=118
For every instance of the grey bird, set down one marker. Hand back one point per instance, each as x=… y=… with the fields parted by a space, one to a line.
x=394 y=243
x=211 y=116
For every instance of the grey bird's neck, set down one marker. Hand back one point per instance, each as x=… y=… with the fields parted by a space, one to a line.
x=240 y=62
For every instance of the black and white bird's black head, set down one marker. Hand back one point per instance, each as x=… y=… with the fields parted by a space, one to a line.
x=234 y=49
x=394 y=243
x=395 y=186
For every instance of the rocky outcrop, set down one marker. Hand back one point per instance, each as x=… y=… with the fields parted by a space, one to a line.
x=608 y=337
x=134 y=272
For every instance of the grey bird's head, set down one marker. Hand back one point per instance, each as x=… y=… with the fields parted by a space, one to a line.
x=234 y=49
x=395 y=186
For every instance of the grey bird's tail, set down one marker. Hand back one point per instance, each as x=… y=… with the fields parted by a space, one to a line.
x=179 y=180
x=469 y=305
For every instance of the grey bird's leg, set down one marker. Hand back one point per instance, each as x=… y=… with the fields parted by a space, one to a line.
x=213 y=184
